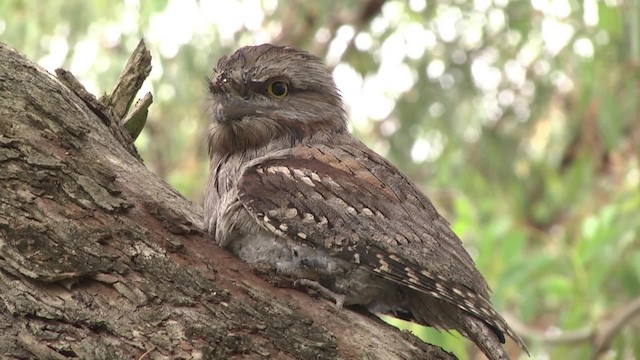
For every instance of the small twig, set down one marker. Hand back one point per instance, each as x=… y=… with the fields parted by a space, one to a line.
x=135 y=120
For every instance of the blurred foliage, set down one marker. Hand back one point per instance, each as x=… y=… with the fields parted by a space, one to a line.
x=520 y=119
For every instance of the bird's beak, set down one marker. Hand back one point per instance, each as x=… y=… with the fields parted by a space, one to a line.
x=230 y=109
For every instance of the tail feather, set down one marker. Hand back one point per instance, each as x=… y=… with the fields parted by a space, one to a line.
x=484 y=337
x=429 y=285
x=427 y=310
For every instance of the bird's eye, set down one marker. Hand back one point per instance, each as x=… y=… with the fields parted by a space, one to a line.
x=278 y=89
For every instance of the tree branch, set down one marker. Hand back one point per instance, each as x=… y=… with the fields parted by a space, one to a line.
x=600 y=335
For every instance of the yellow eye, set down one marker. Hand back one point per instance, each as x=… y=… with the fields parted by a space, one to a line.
x=278 y=89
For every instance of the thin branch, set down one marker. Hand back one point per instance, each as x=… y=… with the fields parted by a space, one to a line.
x=549 y=337
x=609 y=329
x=599 y=335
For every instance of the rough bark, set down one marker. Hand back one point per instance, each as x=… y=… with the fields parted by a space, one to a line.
x=101 y=259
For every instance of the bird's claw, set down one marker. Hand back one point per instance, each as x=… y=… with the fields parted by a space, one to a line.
x=338 y=298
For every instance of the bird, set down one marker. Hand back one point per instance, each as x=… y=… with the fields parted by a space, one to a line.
x=292 y=192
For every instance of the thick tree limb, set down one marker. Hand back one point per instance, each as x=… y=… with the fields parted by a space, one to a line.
x=100 y=259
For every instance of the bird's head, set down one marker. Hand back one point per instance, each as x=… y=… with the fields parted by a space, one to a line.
x=271 y=93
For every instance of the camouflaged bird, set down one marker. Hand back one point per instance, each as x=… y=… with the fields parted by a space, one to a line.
x=291 y=191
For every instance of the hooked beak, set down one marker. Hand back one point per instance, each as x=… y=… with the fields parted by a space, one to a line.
x=230 y=109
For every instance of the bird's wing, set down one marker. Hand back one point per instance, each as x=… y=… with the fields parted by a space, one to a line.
x=352 y=202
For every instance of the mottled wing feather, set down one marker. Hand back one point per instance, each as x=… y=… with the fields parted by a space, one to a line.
x=346 y=200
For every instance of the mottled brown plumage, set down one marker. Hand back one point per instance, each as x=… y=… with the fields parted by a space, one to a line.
x=292 y=192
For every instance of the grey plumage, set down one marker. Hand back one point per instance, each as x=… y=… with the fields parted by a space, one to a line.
x=292 y=192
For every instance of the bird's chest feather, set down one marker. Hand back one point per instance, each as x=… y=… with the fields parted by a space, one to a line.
x=238 y=231
x=225 y=217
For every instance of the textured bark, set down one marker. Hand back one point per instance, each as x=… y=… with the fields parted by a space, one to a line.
x=101 y=259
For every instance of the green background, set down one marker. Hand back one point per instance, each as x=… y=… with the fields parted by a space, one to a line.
x=519 y=119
